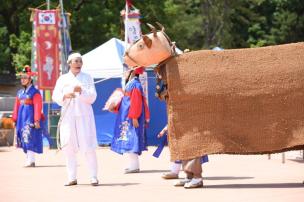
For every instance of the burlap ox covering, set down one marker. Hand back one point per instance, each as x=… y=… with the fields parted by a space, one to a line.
x=242 y=101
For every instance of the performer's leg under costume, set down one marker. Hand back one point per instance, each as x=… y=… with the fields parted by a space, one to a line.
x=193 y=168
x=91 y=159
x=30 y=156
x=175 y=167
x=71 y=164
x=133 y=161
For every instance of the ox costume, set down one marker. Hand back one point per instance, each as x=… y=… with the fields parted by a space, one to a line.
x=128 y=139
x=27 y=111
x=77 y=126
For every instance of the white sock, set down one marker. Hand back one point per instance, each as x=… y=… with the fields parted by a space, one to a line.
x=30 y=156
x=175 y=167
x=133 y=161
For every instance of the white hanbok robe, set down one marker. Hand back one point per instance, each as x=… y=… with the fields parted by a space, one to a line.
x=77 y=128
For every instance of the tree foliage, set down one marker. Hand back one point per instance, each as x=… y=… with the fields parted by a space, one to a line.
x=23 y=46
x=193 y=24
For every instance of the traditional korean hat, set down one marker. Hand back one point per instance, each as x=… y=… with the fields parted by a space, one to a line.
x=26 y=70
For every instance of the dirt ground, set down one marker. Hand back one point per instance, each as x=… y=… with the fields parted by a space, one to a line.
x=226 y=178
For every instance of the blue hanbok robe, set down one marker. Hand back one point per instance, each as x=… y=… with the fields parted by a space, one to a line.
x=127 y=138
x=28 y=137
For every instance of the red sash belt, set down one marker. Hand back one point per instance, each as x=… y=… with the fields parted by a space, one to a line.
x=26 y=101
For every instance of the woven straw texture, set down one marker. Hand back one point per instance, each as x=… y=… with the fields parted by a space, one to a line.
x=242 y=101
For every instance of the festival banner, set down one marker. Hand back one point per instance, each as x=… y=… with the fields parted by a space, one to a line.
x=132 y=24
x=47 y=39
x=134 y=32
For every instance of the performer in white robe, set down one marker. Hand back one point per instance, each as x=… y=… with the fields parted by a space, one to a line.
x=75 y=92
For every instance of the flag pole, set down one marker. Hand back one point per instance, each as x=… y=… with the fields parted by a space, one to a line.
x=126 y=23
x=48 y=4
x=126 y=40
x=63 y=40
x=47 y=92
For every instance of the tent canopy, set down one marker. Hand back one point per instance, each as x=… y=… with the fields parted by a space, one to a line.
x=106 y=60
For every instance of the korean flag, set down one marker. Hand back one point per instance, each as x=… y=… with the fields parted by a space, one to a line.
x=47 y=18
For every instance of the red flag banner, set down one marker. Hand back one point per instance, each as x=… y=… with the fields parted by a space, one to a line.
x=47 y=47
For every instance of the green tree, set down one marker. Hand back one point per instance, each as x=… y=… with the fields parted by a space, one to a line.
x=4 y=52
x=14 y=17
x=23 y=47
x=267 y=22
x=193 y=24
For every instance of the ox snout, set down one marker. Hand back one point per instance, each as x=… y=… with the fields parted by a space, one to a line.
x=129 y=61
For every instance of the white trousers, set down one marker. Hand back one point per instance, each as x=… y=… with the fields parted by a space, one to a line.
x=30 y=157
x=133 y=161
x=71 y=163
x=78 y=133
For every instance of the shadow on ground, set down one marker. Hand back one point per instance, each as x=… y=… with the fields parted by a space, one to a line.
x=297 y=160
x=111 y=184
x=50 y=166
x=256 y=186
x=153 y=171
x=227 y=178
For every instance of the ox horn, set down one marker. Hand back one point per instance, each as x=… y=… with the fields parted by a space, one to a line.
x=147 y=41
x=153 y=29
x=162 y=28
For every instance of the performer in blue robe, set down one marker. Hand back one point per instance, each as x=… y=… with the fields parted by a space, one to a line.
x=130 y=127
x=27 y=116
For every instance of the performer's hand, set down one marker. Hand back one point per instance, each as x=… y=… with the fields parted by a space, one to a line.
x=162 y=132
x=69 y=95
x=77 y=89
x=147 y=123
x=37 y=124
x=135 y=123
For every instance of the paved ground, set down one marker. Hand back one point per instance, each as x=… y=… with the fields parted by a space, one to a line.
x=227 y=178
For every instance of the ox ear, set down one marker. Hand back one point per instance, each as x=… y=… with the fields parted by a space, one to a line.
x=153 y=29
x=147 y=41
x=162 y=28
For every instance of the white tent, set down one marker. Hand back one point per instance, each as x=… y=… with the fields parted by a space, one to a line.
x=106 y=60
